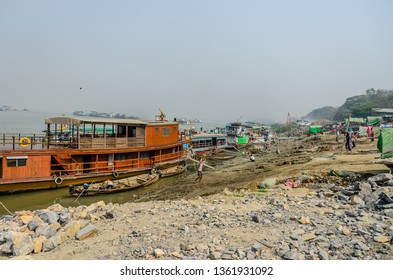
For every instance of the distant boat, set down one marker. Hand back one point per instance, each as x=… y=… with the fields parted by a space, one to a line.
x=188 y=121
x=204 y=143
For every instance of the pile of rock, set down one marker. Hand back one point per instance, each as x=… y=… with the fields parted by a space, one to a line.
x=43 y=230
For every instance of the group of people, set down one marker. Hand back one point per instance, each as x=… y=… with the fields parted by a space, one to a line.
x=351 y=136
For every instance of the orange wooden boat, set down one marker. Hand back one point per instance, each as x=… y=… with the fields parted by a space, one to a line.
x=74 y=151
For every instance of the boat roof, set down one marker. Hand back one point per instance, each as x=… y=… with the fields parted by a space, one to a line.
x=162 y=123
x=207 y=135
x=80 y=120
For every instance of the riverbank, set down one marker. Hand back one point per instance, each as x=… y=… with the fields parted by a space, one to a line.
x=327 y=215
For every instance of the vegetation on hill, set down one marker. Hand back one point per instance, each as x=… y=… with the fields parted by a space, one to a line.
x=360 y=106
x=324 y=113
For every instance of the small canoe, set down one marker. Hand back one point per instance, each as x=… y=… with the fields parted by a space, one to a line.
x=221 y=156
x=121 y=185
x=172 y=171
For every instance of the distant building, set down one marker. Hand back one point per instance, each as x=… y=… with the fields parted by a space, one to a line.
x=385 y=113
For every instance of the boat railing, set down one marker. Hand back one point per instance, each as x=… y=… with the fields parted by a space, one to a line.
x=10 y=141
x=78 y=168
x=202 y=144
x=41 y=141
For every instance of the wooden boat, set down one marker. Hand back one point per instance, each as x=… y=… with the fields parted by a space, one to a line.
x=220 y=156
x=121 y=185
x=172 y=171
x=79 y=150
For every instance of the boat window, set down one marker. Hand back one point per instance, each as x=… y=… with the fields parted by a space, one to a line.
x=120 y=157
x=110 y=159
x=144 y=155
x=131 y=131
x=121 y=130
x=16 y=162
x=166 y=131
x=174 y=128
x=157 y=129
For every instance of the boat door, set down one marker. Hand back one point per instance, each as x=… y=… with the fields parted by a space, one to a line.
x=1 y=167
x=214 y=141
x=87 y=163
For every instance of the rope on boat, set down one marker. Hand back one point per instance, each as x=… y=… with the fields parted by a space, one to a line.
x=83 y=190
x=6 y=208
x=79 y=195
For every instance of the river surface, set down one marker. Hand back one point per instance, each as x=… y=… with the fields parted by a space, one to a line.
x=34 y=123
x=42 y=199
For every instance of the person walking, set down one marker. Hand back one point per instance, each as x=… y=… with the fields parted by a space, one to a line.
x=369 y=131
x=372 y=134
x=348 y=141
x=337 y=132
x=200 y=169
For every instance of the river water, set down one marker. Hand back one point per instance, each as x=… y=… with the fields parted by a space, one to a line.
x=33 y=123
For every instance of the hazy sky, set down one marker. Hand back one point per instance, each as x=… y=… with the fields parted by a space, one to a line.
x=213 y=60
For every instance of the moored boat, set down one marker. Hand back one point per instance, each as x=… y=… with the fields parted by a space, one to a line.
x=221 y=156
x=121 y=185
x=74 y=151
x=172 y=171
x=203 y=144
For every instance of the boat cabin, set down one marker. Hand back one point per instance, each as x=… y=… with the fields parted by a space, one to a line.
x=205 y=142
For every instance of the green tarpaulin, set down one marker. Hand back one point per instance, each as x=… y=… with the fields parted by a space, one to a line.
x=373 y=120
x=315 y=129
x=385 y=142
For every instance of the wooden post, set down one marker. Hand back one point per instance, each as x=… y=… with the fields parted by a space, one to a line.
x=78 y=136
x=48 y=135
x=104 y=135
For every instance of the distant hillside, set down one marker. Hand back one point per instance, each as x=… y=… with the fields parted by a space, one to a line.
x=360 y=106
x=324 y=113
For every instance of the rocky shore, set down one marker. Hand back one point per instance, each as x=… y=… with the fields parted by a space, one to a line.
x=344 y=219
x=319 y=213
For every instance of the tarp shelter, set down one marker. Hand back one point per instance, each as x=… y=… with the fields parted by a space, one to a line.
x=374 y=120
x=315 y=129
x=385 y=142
x=354 y=121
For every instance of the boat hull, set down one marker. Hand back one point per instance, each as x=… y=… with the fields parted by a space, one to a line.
x=45 y=184
x=172 y=171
